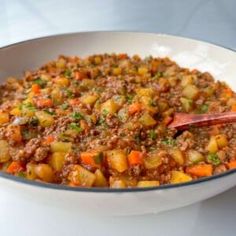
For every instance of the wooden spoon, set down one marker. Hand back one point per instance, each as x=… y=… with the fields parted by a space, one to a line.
x=183 y=121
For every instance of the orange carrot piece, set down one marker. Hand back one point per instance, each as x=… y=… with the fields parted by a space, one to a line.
x=74 y=101
x=233 y=108
x=84 y=125
x=135 y=157
x=227 y=92
x=36 y=89
x=14 y=133
x=80 y=75
x=232 y=164
x=90 y=158
x=167 y=120
x=48 y=139
x=200 y=170
x=122 y=56
x=14 y=167
x=44 y=102
x=135 y=107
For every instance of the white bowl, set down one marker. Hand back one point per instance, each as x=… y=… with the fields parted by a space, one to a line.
x=14 y=59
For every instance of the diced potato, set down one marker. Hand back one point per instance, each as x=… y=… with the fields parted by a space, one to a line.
x=30 y=171
x=62 y=81
x=147 y=120
x=123 y=114
x=119 y=99
x=15 y=111
x=212 y=146
x=89 y=99
x=100 y=180
x=4 y=151
x=142 y=70
x=186 y=104
x=4 y=118
x=190 y=91
x=179 y=177
x=97 y=60
x=14 y=133
x=221 y=140
x=61 y=63
x=194 y=156
x=148 y=183
x=45 y=119
x=87 y=83
x=109 y=107
x=153 y=160
x=186 y=80
x=44 y=172
x=146 y=101
x=63 y=147
x=145 y=92
x=57 y=96
x=117 y=160
x=118 y=184
x=57 y=160
x=82 y=177
x=177 y=155
x=116 y=71
x=162 y=105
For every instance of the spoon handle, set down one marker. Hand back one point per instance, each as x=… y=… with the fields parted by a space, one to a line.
x=183 y=121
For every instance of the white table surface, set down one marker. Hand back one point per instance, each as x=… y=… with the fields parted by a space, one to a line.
x=208 y=20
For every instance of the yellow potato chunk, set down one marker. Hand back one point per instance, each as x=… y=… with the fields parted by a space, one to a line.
x=82 y=177
x=4 y=151
x=190 y=91
x=45 y=119
x=179 y=177
x=147 y=120
x=63 y=147
x=117 y=160
x=177 y=155
x=100 y=180
x=4 y=118
x=148 y=183
x=89 y=99
x=44 y=172
x=221 y=140
x=109 y=107
x=212 y=146
x=57 y=160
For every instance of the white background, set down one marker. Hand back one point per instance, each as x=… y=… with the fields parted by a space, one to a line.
x=208 y=20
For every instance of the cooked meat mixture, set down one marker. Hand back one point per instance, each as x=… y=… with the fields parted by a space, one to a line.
x=102 y=121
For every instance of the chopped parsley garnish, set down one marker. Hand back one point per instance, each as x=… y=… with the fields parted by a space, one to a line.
x=137 y=138
x=34 y=121
x=152 y=103
x=50 y=112
x=158 y=75
x=27 y=106
x=21 y=174
x=98 y=158
x=129 y=98
x=203 y=109
x=105 y=112
x=64 y=106
x=169 y=142
x=75 y=127
x=77 y=116
x=67 y=73
x=213 y=159
x=69 y=93
x=40 y=82
x=152 y=134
